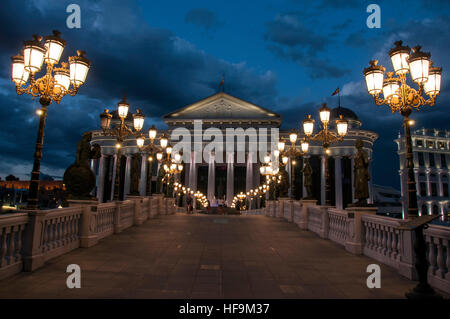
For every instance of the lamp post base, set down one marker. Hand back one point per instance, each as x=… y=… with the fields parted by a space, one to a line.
x=423 y=292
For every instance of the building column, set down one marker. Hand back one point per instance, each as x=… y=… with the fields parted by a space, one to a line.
x=322 y=180
x=143 y=178
x=249 y=173
x=230 y=179
x=441 y=186
x=416 y=176
x=193 y=173
x=256 y=175
x=126 y=188
x=101 y=179
x=352 y=179
x=370 y=199
x=428 y=183
x=338 y=182
x=113 y=181
x=211 y=178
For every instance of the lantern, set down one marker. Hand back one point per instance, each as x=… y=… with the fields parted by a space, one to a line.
x=374 y=75
x=55 y=46
x=79 y=67
x=419 y=65
x=308 y=125
x=399 y=57
x=138 y=120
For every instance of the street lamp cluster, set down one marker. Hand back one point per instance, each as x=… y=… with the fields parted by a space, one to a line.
x=120 y=132
x=51 y=87
x=251 y=195
x=199 y=196
x=326 y=138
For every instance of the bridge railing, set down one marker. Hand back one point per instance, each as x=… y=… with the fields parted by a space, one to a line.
x=361 y=231
x=12 y=230
x=30 y=238
x=438 y=239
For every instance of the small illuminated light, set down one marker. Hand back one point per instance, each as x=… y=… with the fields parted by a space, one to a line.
x=411 y=122
x=118 y=145
x=150 y=158
x=39 y=112
x=294 y=162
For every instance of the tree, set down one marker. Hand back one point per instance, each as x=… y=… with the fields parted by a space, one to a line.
x=11 y=178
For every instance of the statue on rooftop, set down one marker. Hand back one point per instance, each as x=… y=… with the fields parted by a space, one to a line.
x=307 y=176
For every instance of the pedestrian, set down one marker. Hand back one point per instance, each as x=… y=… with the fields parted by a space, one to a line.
x=189 y=203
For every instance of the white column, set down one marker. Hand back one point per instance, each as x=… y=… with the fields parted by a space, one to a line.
x=441 y=187
x=256 y=175
x=370 y=199
x=322 y=180
x=338 y=182
x=113 y=183
x=249 y=173
x=211 y=177
x=101 y=179
x=143 y=178
x=230 y=179
x=353 y=177
x=93 y=165
x=193 y=173
x=428 y=183
x=416 y=176
x=126 y=188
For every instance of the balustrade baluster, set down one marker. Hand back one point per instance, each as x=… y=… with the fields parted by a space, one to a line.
x=11 y=248
x=19 y=243
x=432 y=255
x=440 y=259
x=384 y=230
x=3 y=247
x=389 y=243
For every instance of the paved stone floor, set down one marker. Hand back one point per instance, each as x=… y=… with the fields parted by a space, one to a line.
x=200 y=256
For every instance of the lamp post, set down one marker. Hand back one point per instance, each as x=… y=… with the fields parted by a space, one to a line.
x=120 y=132
x=170 y=163
x=290 y=154
x=326 y=138
x=402 y=98
x=151 y=149
x=51 y=87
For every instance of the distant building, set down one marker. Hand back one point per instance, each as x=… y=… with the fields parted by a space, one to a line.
x=431 y=150
x=388 y=200
x=15 y=193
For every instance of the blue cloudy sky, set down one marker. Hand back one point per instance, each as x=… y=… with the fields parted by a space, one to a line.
x=286 y=55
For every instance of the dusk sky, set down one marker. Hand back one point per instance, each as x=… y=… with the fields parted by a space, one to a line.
x=285 y=55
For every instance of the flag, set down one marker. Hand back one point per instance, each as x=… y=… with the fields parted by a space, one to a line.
x=223 y=81
x=335 y=92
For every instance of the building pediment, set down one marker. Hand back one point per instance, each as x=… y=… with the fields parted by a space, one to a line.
x=223 y=108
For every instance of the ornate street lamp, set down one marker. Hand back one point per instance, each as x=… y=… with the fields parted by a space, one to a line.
x=170 y=163
x=325 y=137
x=402 y=98
x=51 y=87
x=288 y=155
x=120 y=132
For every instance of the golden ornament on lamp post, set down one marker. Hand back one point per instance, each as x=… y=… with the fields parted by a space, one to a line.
x=51 y=87
x=120 y=132
x=326 y=138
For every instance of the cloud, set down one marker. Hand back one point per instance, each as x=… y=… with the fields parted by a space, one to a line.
x=203 y=18
x=291 y=40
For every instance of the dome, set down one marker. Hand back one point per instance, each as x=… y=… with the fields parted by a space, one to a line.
x=353 y=120
x=347 y=114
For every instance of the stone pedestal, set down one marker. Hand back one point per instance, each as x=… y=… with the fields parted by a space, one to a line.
x=304 y=203
x=281 y=203
x=159 y=206
x=88 y=237
x=354 y=243
x=138 y=202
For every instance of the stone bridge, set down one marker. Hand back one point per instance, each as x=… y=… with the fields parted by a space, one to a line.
x=145 y=247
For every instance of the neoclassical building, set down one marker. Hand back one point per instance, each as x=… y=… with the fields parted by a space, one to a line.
x=431 y=151
x=220 y=173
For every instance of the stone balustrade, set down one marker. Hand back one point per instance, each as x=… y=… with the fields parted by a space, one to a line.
x=30 y=238
x=360 y=231
x=438 y=239
x=12 y=227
